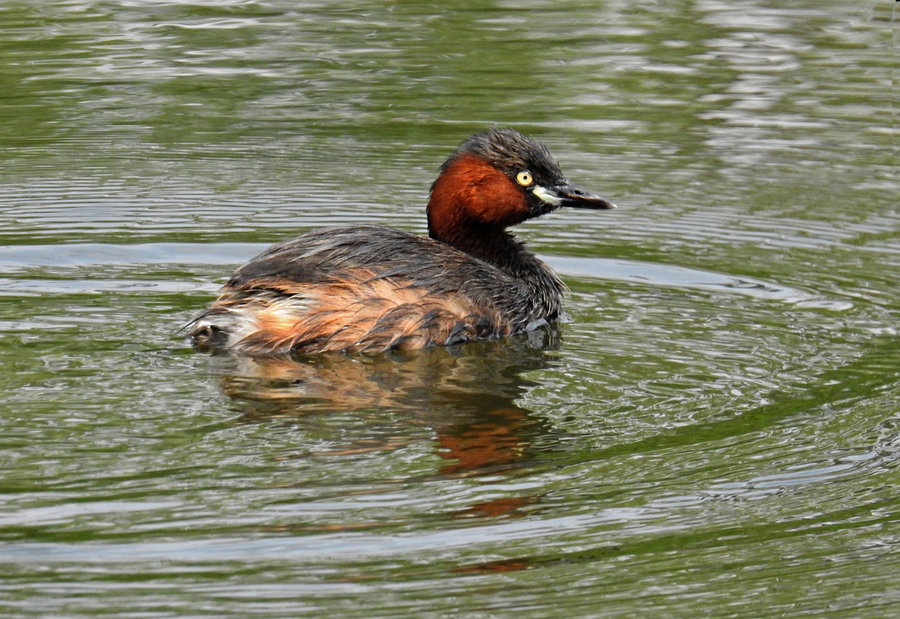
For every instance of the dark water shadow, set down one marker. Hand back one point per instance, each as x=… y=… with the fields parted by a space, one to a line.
x=465 y=397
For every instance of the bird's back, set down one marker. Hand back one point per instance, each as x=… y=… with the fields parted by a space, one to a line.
x=359 y=288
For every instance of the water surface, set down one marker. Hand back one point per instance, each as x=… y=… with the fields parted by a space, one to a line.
x=713 y=429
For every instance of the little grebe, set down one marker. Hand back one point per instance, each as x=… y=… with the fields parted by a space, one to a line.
x=368 y=288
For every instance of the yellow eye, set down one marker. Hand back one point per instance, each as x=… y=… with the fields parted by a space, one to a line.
x=524 y=178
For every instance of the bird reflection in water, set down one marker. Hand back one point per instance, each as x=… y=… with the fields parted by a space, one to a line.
x=462 y=400
x=464 y=396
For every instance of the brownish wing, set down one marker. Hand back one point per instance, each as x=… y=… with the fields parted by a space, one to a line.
x=363 y=288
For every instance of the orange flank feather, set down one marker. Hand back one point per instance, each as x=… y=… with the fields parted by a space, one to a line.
x=353 y=312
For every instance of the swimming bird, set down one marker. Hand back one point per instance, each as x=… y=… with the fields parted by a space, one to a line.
x=370 y=288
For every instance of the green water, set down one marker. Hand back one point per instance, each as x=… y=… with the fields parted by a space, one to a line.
x=713 y=430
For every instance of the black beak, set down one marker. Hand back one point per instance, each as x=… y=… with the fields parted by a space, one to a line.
x=576 y=197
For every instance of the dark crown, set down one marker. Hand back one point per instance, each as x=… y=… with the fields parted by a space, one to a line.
x=511 y=152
